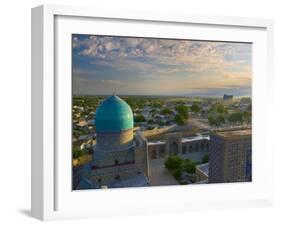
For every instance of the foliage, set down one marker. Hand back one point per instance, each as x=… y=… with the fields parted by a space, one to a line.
x=183 y=182
x=139 y=118
x=221 y=109
x=216 y=120
x=78 y=133
x=179 y=119
x=247 y=116
x=176 y=165
x=173 y=162
x=195 y=107
x=166 y=111
x=150 y=121
x=177 y=174
x=236 y=117
x=213 y=121
x=189 y=166
x=76 y=152
x=182 y=111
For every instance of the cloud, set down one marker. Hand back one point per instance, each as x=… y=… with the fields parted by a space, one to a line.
x=110 y=82
x=108 y=47
x=176 y=65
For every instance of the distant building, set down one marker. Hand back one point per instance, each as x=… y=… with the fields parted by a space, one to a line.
x=227 y=97
x=230 y=157
x=119 y=156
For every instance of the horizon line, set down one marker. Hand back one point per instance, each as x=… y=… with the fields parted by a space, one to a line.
x=164 y=95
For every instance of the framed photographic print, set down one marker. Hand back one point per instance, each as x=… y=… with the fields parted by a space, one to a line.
x=136 y=113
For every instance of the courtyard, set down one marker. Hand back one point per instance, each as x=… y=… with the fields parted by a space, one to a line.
x=159 y=175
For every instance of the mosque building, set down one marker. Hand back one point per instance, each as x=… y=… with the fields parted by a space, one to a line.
x=120 y=155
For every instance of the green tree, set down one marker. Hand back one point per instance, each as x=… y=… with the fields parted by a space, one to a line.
x=195 y=107
x=183 y=111
x=213 y=121
x=236 y=117
x=220 y=109
x=189 y=166
x=216 y=120
x=179 y=119
x=166 y=111
x=247 y=116
x=174 y=162
x=139 y=118
x=177 y=174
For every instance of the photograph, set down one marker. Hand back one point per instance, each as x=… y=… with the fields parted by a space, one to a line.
x=152 y=111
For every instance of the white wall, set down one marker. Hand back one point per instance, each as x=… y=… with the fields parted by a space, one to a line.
x=15 y=111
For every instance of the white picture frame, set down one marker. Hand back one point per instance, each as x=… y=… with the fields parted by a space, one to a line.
x=52 y=197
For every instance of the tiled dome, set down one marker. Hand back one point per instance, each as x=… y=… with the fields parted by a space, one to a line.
x=113 y=115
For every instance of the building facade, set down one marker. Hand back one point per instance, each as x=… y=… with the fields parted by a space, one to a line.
x=230 y=157
x=193 y=147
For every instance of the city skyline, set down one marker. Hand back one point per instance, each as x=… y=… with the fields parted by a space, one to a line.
x=103 y=65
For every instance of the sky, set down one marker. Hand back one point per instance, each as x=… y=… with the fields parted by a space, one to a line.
x=102 y=65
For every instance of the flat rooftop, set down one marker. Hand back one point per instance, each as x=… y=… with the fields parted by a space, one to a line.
x=204 y=168
x=183 y=140
x=234 y=133
x=195 y=138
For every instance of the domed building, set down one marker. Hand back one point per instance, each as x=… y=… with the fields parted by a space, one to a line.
x=120 y=154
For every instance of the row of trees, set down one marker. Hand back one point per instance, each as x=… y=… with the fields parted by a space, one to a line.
x=236 y=117
x=219 y=114
x=182 y=113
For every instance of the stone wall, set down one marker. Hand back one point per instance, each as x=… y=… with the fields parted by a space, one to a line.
x=114 y=141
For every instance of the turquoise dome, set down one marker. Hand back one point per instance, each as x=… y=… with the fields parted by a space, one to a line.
x=113 y=115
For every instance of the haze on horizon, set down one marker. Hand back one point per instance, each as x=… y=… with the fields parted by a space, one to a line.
x=103 y=65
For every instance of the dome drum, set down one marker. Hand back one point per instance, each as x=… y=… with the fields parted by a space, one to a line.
x=115 y=141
